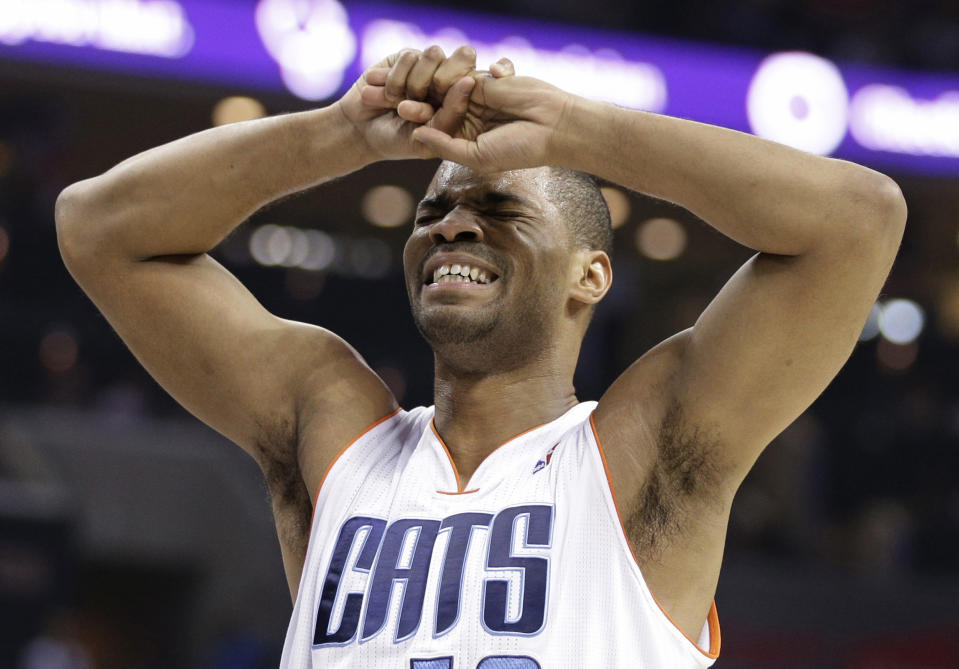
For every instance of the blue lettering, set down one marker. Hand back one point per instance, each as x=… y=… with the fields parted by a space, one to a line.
x=354 y=601
x=387 y=572
x=461 y=531
x=535 y=570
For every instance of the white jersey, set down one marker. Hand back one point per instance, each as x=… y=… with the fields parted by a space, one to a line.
x=527 y=568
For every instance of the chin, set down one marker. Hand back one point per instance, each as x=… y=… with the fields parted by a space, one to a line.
x=443 y=327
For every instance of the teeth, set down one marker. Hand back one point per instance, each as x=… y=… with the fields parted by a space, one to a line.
x=459 y=273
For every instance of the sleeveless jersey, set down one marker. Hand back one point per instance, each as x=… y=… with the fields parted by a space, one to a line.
x=527 y=568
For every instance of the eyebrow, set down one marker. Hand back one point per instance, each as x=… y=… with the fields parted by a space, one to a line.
x=490 y=198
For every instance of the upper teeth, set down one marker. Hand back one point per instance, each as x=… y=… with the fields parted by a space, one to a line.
x=459 y=272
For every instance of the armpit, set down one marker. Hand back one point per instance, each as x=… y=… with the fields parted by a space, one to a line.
x=684 y=474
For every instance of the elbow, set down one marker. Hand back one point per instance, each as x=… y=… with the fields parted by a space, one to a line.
x=73 y=214
x=875 y=210
x=890 y=205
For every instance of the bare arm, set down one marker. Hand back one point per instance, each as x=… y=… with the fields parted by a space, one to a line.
x=136 y=240
x=826 y=231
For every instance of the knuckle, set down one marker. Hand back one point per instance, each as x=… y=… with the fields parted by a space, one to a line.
x=434 y=52
x=465 y=51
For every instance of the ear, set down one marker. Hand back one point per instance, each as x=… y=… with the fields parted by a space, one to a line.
x=591 y=276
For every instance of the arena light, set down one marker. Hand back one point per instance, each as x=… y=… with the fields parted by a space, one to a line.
x=600 y=74
x=322 y=251
x=236 y=109
x=896 y=357
x=800 y=100
x=901 y=321
x=388 y=206
x=888 y=118
x=661 y=239
x=58 y=351
x=312 y=42
x=152 y=27
x=618 y=203
x=270 y=244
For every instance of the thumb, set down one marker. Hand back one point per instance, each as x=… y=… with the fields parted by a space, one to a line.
x=446 y=147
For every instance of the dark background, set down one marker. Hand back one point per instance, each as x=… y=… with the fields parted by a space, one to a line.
x=129 y=529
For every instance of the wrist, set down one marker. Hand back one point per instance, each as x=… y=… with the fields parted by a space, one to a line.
x=335 y=141
x=581 y=138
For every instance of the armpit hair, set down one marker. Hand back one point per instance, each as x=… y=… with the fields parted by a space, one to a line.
x=276 y=453
x=684 y=472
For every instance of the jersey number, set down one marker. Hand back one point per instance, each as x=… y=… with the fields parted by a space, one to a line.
x=491 y=662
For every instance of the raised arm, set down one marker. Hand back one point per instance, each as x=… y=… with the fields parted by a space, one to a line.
x=136 y=240
x=684 y=424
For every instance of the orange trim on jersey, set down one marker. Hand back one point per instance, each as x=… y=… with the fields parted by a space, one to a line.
x=459 y=484
x=316 y=497
x=712 y=618
x=456 y=473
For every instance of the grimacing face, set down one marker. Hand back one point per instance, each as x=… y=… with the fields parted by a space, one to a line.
x=508 y=238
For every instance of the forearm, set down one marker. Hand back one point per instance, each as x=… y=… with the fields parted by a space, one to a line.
x=764 y=195
x=186 y=196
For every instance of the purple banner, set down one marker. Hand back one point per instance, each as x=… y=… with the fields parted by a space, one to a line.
x=315 y=48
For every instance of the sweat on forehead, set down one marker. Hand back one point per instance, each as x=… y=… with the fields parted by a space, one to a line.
x=450 y=175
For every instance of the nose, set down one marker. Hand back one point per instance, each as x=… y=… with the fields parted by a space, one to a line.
x=456 y=226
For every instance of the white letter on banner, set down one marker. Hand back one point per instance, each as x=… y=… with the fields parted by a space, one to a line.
x=800 y=100
x=312 y=42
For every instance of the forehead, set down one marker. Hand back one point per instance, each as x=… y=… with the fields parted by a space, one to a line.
x=452 y=180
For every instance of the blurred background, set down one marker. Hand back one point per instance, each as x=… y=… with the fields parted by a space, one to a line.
x=131 y=536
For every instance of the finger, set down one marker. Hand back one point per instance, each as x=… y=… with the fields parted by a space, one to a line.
x=377 y=75
x=396 y=79
x=417 y=112
x=502 y=68
x=421 y=76
x=455 y=104
x=375 y=96
x=461 y=62
x=444 y=146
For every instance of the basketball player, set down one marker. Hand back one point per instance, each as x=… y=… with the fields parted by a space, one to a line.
x=509 y=526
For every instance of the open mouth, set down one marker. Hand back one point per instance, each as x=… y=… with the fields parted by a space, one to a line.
x=460 y=273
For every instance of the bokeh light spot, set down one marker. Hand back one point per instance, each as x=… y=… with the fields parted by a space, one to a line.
x=661 y=239
x=901 y=321
x=58 y=351
x=618 y=203
x=387 y=206
x=896 y=357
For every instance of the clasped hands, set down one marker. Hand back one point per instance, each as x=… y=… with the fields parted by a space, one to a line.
x=417 y=104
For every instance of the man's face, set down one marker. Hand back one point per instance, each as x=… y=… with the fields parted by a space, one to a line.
x=487 y=263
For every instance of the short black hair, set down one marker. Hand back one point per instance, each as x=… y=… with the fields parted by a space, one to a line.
x=578 y=196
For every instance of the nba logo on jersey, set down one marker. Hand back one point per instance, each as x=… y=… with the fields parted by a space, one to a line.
x=541 y=464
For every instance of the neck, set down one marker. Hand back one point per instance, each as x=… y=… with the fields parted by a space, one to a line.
x=476 y=413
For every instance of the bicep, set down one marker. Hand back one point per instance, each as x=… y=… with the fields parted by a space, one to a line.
x=771 y=341
x=201 y=334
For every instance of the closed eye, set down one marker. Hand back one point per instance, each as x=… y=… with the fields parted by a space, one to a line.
x=427 y=218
